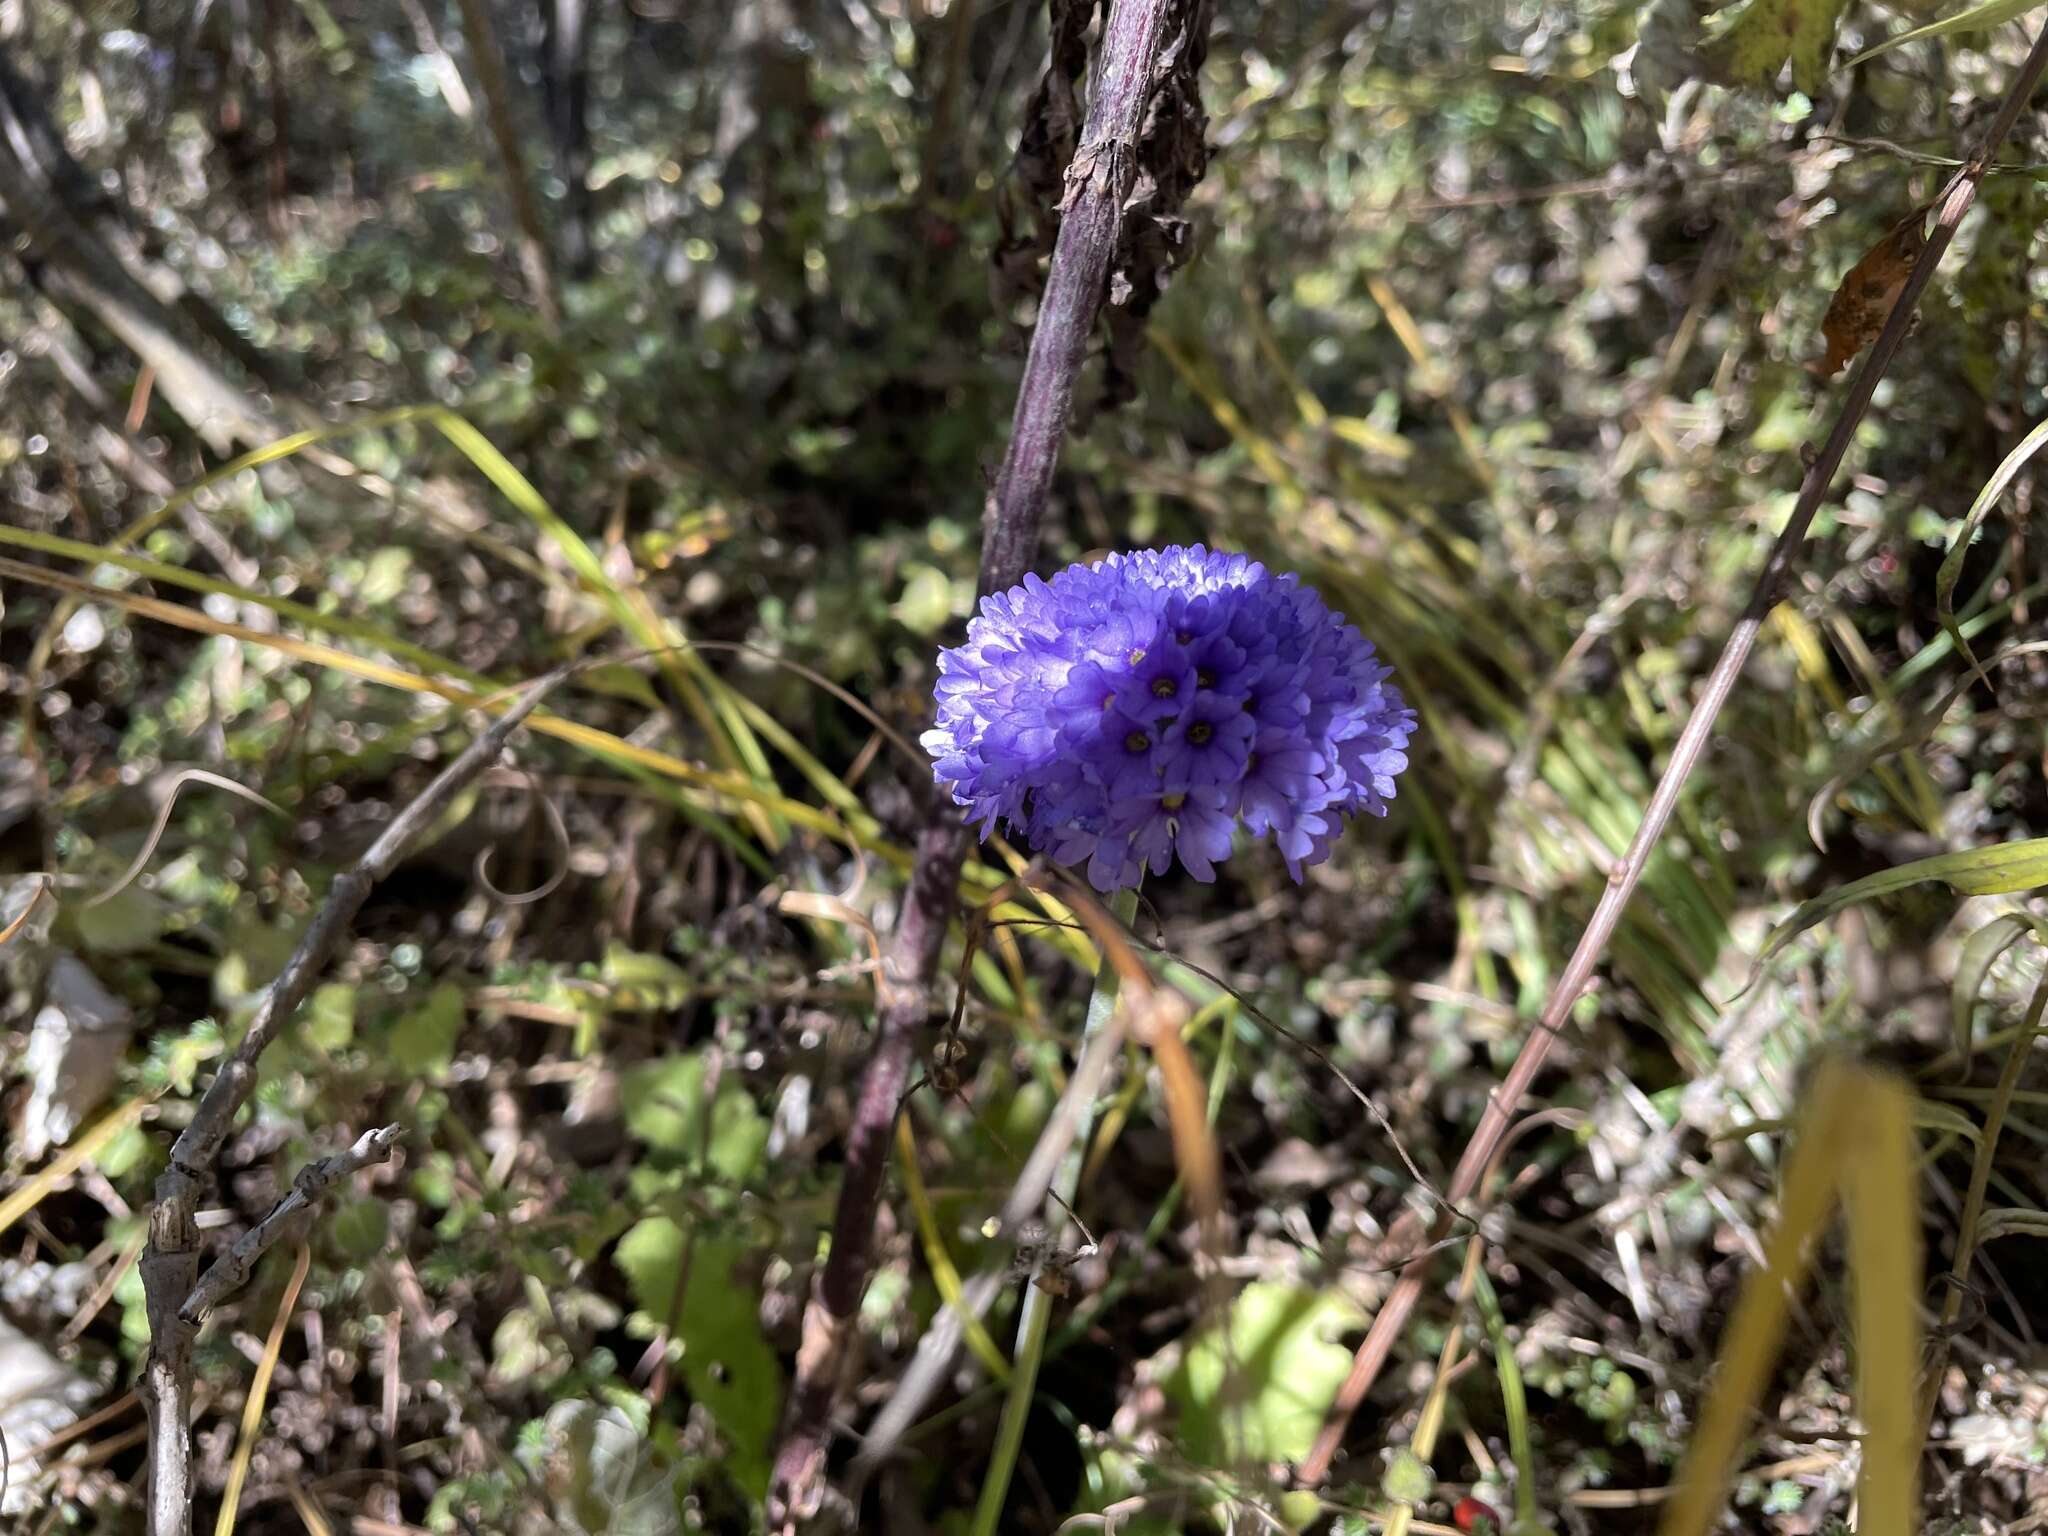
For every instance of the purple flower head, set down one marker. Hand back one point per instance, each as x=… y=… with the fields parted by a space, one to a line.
x=1142 y=708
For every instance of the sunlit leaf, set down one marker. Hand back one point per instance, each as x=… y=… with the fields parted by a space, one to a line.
x=423 y=1042
x=726 y=1362
x=1864 y=298
x=1977 y=18
x=1260 y=1394
x=1996 y=871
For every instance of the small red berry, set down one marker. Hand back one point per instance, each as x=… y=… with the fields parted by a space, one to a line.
x=1477 y=1518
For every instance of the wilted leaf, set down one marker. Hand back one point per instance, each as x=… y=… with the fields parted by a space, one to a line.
x=1866 y=295
x=2012 y=1221
x=75 y=1047
x=1261 y=1394
x=39 y=1395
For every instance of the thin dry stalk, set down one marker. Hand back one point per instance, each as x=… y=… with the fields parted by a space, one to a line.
x=1394 y=1312
x=173 y=1296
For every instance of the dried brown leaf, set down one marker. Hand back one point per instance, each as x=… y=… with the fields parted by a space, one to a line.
x=1866 y=296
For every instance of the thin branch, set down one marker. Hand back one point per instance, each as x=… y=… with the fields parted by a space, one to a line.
x=173 y=1293
x=1097 y=182
x=231 y=1271
x=1395 y=1311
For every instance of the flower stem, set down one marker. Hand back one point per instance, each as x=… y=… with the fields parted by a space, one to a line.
x=1036 y=1313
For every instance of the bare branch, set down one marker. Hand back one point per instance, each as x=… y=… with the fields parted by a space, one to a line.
x=172 y=1290
x=1408 y=1234
x=231 y=1271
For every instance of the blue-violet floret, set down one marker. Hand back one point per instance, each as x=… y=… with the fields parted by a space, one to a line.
x=1140 y=709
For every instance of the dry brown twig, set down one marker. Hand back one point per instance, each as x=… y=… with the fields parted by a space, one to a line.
x=1394 y=1312
x=175 y=1295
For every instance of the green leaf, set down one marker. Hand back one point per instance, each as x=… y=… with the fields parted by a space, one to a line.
x=664 y=1107
x=602 y=1473
x=1260 y=1393
x=643 y=982
x=361 y=1228
x=130 y=920
x=518 y=1347
x=1978 y=18
x=1980 y=952
x=727 y=1364
x=739 y=1135
x=926 y=605
x=330 y=1017
x=1995 y=871
x=1959 y=546
x=1768 y=32
x=423 y=1042
x=384 y=576
x=664 y=1102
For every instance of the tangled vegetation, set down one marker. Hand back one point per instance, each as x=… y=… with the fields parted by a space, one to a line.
x=364 y=363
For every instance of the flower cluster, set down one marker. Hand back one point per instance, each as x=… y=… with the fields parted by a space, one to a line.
x=1138 y=709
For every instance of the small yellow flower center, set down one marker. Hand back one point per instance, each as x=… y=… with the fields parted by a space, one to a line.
x=1173 y=802
x=1164 y=687
x=1200 y=732
x=1205 y=678
x=1137 y=742
x=1137 y=655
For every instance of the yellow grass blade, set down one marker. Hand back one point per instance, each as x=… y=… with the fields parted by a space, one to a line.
x=67 y=1162
x=308 y=1512
x=259 y=1395
x=630 y=610
x=1856 y=1140
x=1757 y=1329
x=590 y=737
x=944 y=1274
x=1878 y=1187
